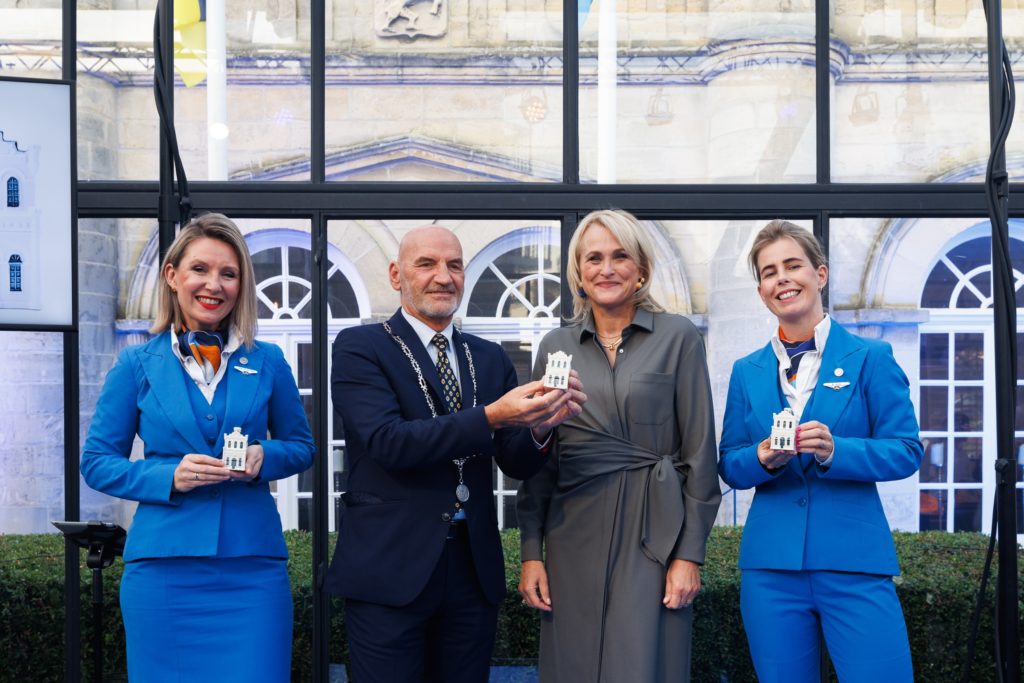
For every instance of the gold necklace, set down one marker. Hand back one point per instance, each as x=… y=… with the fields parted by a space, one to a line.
x=611 y=345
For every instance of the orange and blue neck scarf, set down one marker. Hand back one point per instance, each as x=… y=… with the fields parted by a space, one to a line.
x=795 y=350
x=203 y=346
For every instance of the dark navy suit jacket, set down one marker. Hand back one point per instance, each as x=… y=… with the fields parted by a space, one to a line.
x=807 y=517
x=401 y=483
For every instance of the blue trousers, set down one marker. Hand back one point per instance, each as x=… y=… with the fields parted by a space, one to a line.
x=859 y=614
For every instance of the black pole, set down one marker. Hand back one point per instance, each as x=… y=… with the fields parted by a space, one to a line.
x=97 y=625
x=167 y=209
x=72 y=506
x=321 y=490
x=1005 y=323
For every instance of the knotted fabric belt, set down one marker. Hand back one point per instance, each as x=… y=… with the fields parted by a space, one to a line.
x=663 y=509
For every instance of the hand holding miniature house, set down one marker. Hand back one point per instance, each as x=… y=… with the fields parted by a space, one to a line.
x=784 y=431
x=233 y=454
x=556 y=374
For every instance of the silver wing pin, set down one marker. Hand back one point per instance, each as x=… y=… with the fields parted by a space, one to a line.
x=836 y=386
x=245 y=371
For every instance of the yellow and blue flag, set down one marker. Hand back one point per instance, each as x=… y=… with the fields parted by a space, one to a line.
x=190 y=40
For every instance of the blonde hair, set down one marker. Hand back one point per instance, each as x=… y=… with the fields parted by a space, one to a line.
x=780 y=229
x=219 y=227
x=635 y=242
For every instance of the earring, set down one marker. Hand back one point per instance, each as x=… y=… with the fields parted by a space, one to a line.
x=582 y=293
x=640 y=283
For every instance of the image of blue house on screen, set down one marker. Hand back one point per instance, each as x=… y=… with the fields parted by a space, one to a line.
x=19 y=225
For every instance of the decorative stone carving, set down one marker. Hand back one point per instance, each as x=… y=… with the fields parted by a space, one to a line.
x=411 y=18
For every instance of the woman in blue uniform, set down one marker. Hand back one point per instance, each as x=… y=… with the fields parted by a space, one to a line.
x=205 y=594
x=817 y=552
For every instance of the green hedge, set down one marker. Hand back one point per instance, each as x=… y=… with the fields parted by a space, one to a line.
x=940 y=578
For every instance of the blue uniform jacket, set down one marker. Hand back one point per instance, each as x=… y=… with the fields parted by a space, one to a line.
x=807 y=517
x=145 y=393
x=401 y=483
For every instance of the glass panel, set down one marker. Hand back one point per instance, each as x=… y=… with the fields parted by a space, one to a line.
x=968 y=408
x=1019 y=446
x=31 y=43
x=1013 y=34
x=933 y=510
x=266 y=264
x=969 y=359
x=241 y=104
x=900 y=113
x=520 y=353
x=934 y=409
x=307 y=406
x=1019 y=419
x=341 y=298
x=306 y=514
x=305 y=369
x=1020 y=508
x=935 y=356
x=1020 y=355
x=117 y=122
x=450 y=91
x=939 y=288
x=339 y=466
x=661 y=101
x=511 y=520
x=933 y=464
x=967 y=510
x=270 y=299
x=967 y=460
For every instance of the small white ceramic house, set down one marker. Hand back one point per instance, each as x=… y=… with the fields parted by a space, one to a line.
x=556 y=374
x=784 y=431
x=233 y=454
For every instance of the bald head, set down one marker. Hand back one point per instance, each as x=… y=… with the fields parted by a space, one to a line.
x=429 y=274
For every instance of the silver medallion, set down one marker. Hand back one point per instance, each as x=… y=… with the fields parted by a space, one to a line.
x=462 y=493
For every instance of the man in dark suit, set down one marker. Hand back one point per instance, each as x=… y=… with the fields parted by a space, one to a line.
x=425 y=409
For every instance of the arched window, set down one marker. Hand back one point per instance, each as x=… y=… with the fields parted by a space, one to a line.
x=13 y=192
x=283 y=270
x=14 y=266
x=956 y=379
x=513 y=297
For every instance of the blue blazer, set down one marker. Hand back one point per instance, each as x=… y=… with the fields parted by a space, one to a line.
x=807 y=517
x=401 y=482
x=146 y=393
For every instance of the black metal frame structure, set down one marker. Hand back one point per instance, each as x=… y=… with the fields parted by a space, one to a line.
x=320 y=202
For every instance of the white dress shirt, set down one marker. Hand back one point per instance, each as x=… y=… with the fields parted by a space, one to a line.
x=807 y=376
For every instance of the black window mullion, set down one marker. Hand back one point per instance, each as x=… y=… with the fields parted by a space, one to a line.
x=317 y=87
x=570 y=93
x=822 y=94
x=321 y=491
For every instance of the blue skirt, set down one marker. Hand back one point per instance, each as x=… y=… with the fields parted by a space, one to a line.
x=195 y=619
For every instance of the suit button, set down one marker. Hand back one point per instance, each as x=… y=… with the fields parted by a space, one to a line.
x=802 y=502
x=210 y=417
x=211 y=440
x=446 y=517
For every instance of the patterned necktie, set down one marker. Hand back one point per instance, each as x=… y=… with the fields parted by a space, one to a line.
x=449 y=385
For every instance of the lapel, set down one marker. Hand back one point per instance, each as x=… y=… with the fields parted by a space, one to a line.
x=843 y=353
x=405 y=332
x=242 y=386
x=465 y=377
x=765 y=395
x=165 y=375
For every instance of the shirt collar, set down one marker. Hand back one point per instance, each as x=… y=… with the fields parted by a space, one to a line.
x=821 y=331
x=642 y=319
x=425 y=333
x=232 y=344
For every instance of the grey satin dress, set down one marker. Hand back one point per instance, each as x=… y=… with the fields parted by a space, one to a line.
x=630 y=485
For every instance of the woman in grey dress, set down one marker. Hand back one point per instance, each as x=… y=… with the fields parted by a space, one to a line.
x=614 y=527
